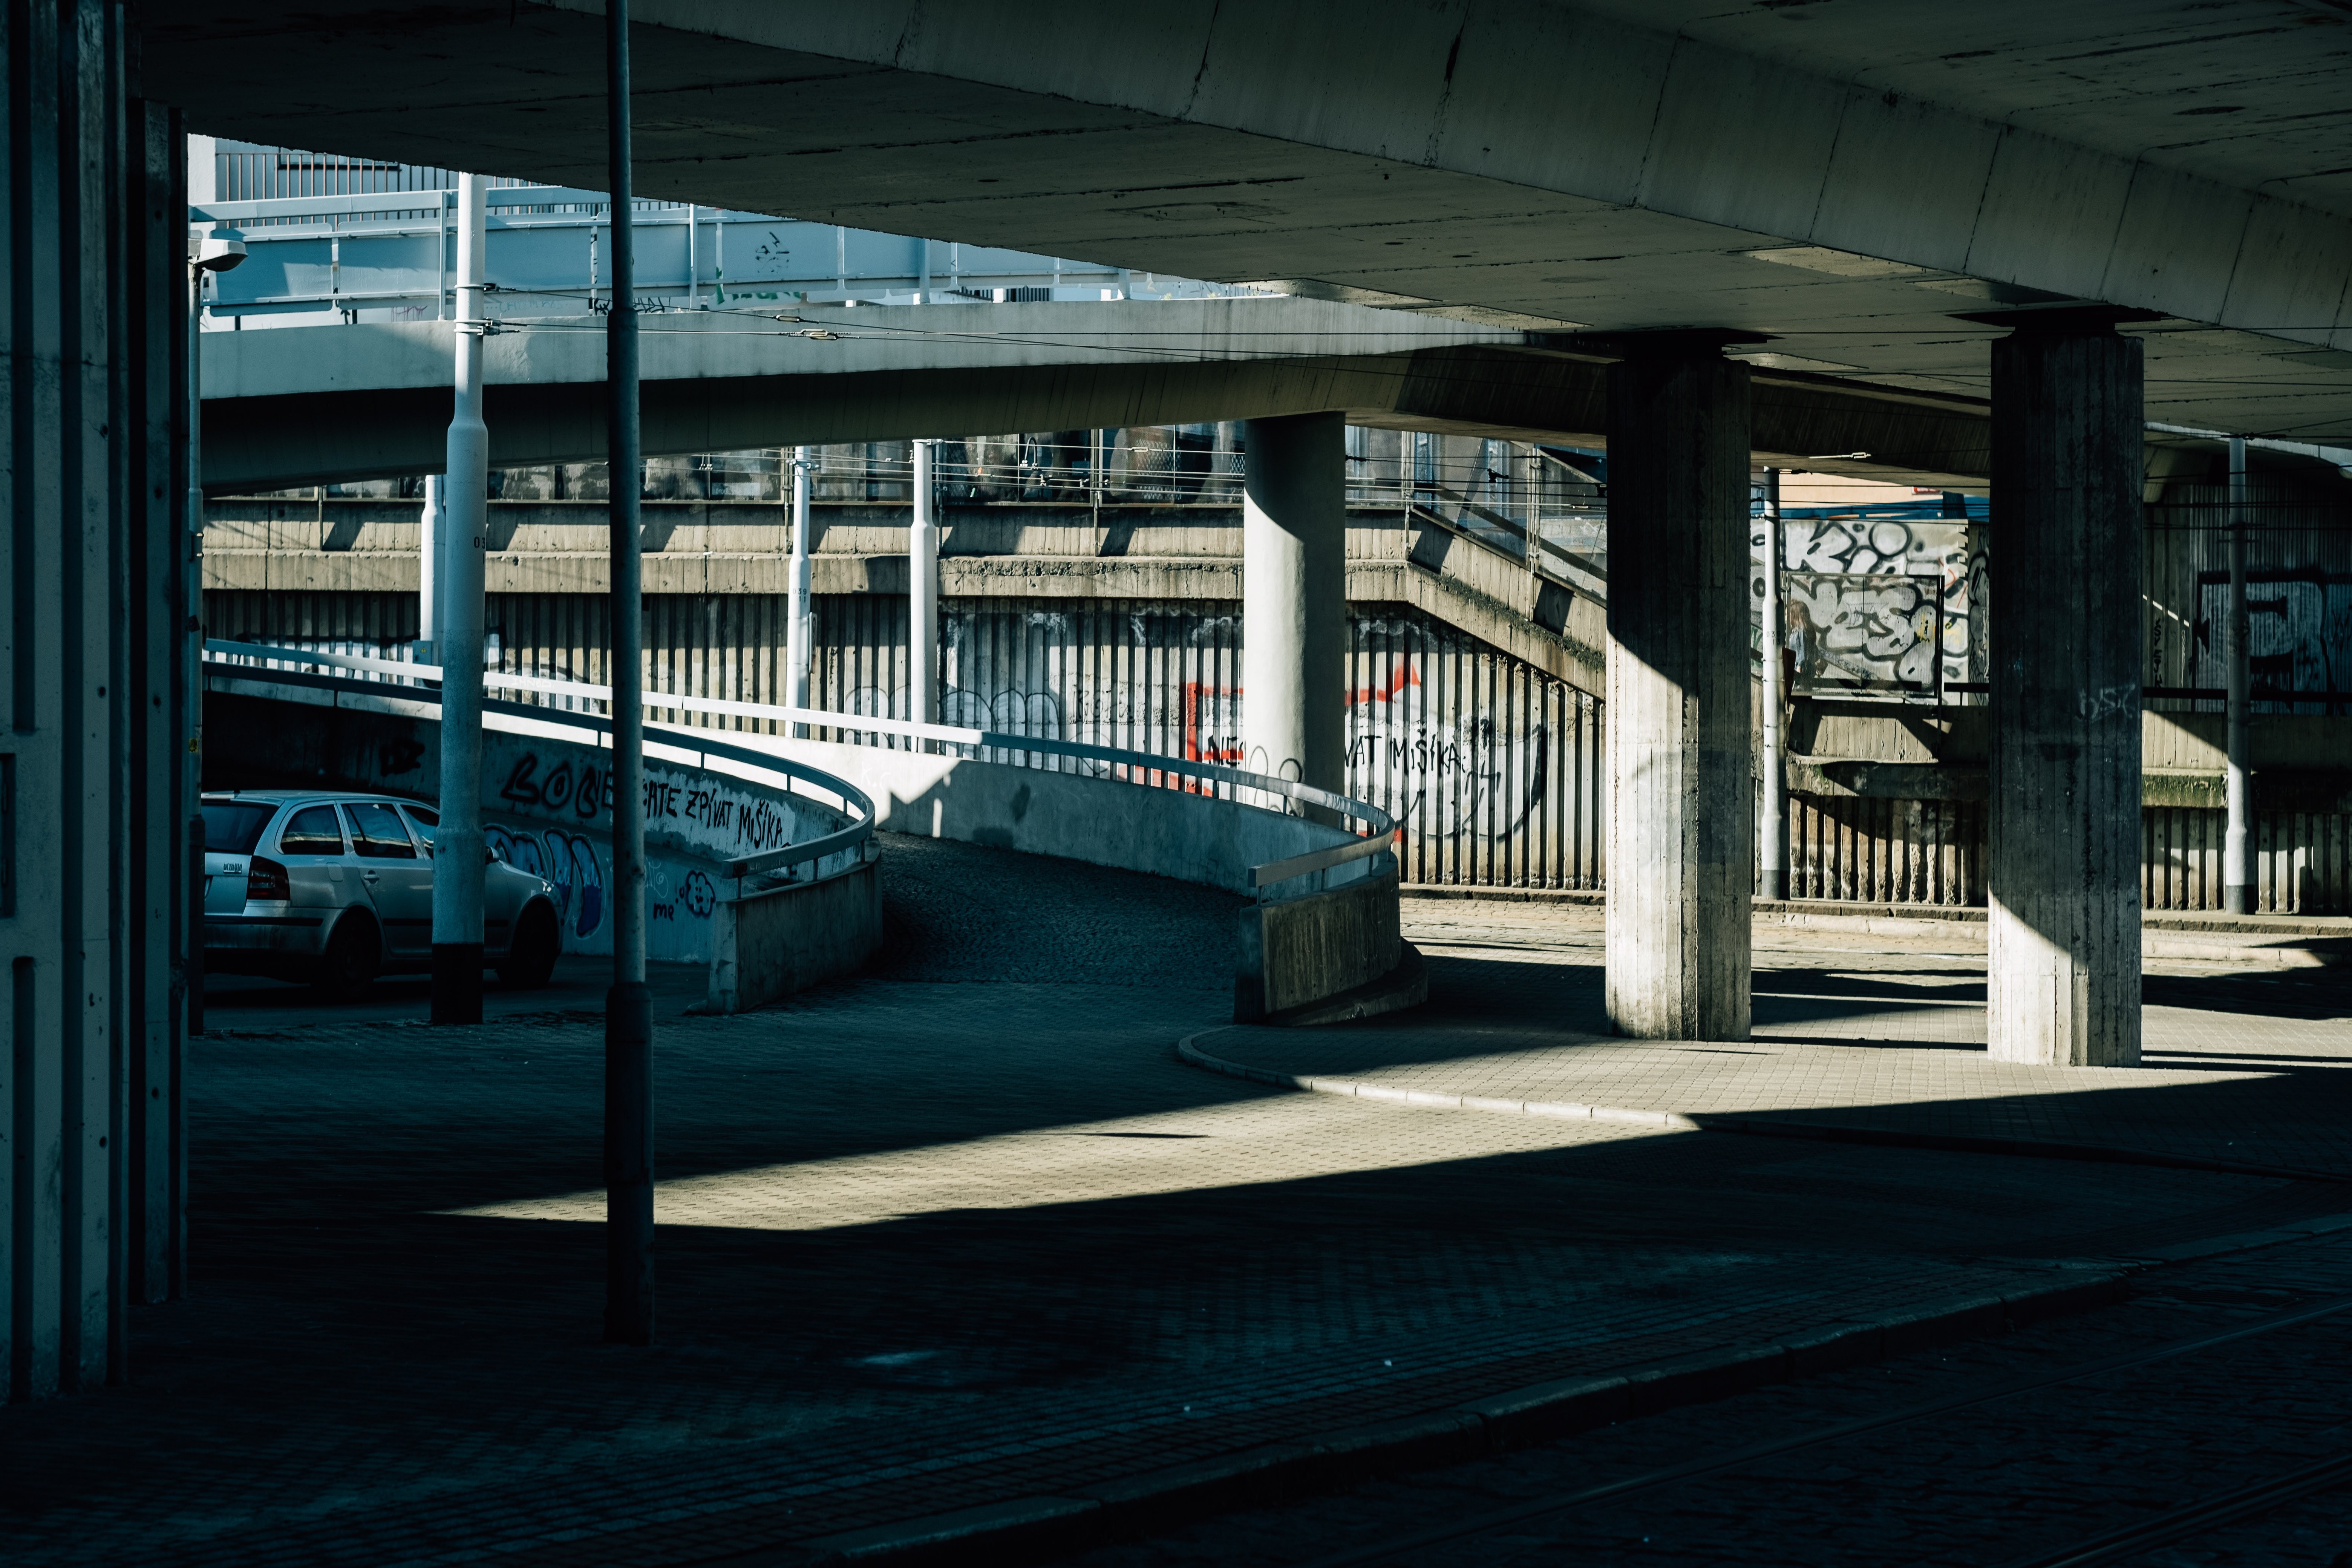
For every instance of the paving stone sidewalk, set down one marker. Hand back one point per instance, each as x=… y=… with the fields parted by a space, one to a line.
x=963 y=1231
x=1853 y=1032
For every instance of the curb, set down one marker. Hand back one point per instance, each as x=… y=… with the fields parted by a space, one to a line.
x=1019 y=1530
x=1756 y=1127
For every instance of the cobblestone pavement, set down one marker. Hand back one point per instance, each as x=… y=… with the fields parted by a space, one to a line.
x=1852 y=1032
x=961 y=1231
x=1988 y=1485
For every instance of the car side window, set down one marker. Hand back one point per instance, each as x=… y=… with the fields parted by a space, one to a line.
x=377 y=833
x=311 y=831
x=425 y=822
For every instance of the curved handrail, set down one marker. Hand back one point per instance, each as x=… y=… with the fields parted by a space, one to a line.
x=1382 y=826
x=852 y=798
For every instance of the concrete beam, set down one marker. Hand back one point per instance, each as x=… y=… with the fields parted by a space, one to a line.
x=317 y=404
x=1844 y=185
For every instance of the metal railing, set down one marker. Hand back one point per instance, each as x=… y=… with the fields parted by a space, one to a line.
x=1378 y=834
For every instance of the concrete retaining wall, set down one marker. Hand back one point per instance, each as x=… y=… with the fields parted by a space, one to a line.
x=546 y=803
x=1168 y=832
x=1315 y=958
x=1303 y=955
x=769 y=943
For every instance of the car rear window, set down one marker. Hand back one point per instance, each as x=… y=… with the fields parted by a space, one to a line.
x=378 y=834
x=234 y=827
x=424 y=820
x=312 y=831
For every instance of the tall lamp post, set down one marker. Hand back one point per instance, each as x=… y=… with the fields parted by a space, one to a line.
x=219 y=249
x=629 y=1008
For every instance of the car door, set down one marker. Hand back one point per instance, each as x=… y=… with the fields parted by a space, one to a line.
x=321 y=881
x=398 y=879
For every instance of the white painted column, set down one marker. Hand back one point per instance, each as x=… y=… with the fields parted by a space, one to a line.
x=1295 y=598
x=428 y=572
x=1772 y=833
x=1681 y=857
x=2238 y=883
x=458 y=846
x=923 y=594
x=797 y=640
x=2063 y=861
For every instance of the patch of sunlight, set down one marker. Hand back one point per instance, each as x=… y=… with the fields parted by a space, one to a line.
x=1287 y=1138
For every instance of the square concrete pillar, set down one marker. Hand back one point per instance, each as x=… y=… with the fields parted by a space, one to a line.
x=2064 y=873
x=1682 y=825
x=1295 y=598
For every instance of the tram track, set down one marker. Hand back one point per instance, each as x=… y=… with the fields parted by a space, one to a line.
x=2191 y=1518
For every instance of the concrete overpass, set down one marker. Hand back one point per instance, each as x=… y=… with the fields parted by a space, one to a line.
x=2089 y=216
x=313 y=405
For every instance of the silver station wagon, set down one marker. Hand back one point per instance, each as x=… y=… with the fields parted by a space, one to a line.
x=338 y=889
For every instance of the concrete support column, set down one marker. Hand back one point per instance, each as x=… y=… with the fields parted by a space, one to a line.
x=95 y=296
x=2063 y=869
x=2238 y=839
x=797 y=628
x=1682 y=818
x=1295 y=598
x=1772 y=832
x=458 y=844
x=923 y=594
x=428 y=575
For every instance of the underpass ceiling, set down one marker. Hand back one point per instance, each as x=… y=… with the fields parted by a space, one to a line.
x=518 y=88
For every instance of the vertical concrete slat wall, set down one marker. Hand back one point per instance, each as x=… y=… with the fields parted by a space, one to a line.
x=1502 y=792
x=90 y=834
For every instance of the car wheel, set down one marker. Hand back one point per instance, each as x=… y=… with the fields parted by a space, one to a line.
x=531 y=957
x=351 y=957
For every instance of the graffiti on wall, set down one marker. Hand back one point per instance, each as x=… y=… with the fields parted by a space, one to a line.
x=1453 y=772
x=1863 y=633
x=1850 y=627
x=2298 y=634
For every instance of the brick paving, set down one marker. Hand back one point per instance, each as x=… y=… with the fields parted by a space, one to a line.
x=962 y=1231
x=1860 y=1032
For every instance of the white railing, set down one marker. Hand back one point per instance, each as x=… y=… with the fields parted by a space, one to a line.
x=1378 y=833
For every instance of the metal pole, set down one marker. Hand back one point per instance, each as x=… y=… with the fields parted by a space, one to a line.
x=428 y=565
x=629 y=1008
x=192 y=666
x=797 y=655
x=1772 y=835
x=458 y=847
x=2237 y=843
x=923 y=594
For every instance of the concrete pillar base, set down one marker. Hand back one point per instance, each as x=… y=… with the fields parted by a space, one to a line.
x=457 y=981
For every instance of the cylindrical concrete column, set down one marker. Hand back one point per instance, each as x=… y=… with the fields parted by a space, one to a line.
x=1295 y=598
x=1682 y=818
x=2062 y=874
x=797 y=626
x=428 y=572
x=1772 y=832
x=458 y=844
x=923 y=594
x=2237 y=841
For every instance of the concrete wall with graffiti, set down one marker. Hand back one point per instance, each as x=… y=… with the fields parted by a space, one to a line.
x=1886 y=597
x=546 y=808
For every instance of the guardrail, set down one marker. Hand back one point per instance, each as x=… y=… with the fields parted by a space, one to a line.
x=1379 y=827
x=848 y=796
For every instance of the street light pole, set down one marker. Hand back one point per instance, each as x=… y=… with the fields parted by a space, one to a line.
x=628 y=1008
x=460 y=845
x=1771 y=841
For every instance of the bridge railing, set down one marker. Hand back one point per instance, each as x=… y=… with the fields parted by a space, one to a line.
x=1375 y=828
